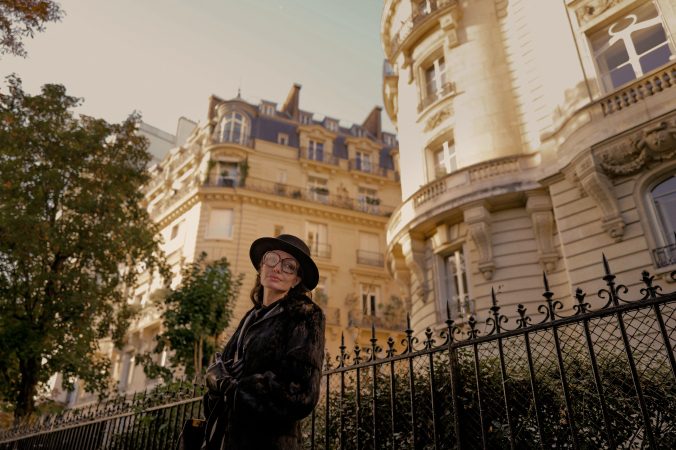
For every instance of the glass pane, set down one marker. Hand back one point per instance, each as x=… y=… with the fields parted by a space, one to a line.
x=616 y=55
x=656 y=58
x=622 y=75
x=648 y=38
x=665 y=188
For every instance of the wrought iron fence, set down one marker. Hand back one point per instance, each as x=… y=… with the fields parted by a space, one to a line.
x=589 y=378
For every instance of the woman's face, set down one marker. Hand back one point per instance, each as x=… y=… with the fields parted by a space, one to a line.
x=276 y=278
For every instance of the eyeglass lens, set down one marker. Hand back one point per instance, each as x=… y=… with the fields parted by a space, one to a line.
x=289 y=265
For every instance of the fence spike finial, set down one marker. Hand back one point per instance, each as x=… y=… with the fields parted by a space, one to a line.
x=494 y=300
x=448 y=310
x=606 y=266
x=545 y=280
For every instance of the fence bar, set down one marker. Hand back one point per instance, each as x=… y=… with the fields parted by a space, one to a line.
x=534 y=389
x=393 y=405
x=612 y=291
x=497 y=319
x=358 y=408
x=326 y=413
x=477 y=377
x=551 y=310
x=435 y=420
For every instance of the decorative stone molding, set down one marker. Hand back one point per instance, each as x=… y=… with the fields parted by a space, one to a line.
x=597 y=185
x=438 y=117
x=501 y=8
x=477 y=218
x=414 y=255
x=539 y=206
x=631 y=154
x=591 y=9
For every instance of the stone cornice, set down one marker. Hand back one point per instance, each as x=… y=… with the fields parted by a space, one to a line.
x=299 y=207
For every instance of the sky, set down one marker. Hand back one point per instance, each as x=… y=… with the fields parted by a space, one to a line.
x=165 y=58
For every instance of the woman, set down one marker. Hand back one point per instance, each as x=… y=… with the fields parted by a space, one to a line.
x=267 y=378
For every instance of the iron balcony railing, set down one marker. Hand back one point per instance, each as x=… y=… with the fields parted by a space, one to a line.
x=365 y=166
x=320 y=249
x=665 y=256
x=423 y=13
x=246 y=141
x=370 y=258
x=590 y=376
x=445 y=89
x=321 y=156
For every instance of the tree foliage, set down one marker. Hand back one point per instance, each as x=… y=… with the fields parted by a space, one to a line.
x=194 y=316
x=72 y=233
x=22 y=18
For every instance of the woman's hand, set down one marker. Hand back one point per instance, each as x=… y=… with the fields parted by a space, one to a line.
x=218 y=378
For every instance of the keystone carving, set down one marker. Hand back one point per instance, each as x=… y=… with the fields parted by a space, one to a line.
x=597 y=185
x=594 y=8
x=539 y=206
x=437 y=118
x=655 y=143
x=477 y=219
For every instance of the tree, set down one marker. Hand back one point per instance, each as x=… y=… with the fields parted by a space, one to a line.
x=72 y=234
x=194 y=316
x=20 y=19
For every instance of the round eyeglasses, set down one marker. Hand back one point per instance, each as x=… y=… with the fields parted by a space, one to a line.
x=289 y=265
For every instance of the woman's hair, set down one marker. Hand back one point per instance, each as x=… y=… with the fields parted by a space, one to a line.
x=257 y=291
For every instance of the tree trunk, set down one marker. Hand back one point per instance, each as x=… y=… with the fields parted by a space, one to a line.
x=25 y=400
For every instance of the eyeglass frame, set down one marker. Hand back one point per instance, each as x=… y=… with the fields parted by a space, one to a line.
x=281 y=260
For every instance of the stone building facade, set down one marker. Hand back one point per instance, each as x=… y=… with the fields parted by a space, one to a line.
x=534 y=136
x=255 y=170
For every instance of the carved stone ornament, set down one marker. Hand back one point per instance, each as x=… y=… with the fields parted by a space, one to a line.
x=597 y=185
x=477 y=219
x=593 y=8
x=539 y=205
x=437 y=118
x=655 y=143
x=414 y=255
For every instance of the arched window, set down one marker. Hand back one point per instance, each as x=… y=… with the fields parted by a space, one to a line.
x=234 y=128
x=664 y=200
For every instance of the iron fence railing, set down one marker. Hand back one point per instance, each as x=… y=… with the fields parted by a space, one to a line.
x=588 y=377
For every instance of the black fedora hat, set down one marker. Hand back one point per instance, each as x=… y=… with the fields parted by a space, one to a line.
x=291 y=245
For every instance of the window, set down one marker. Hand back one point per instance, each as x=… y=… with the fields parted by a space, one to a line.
x=315 y=150
x=369 y=299
x=279 y=229
x=318 y=239
x=363 y=161
x=318 y=190
x=631 y=46
x=444 y=159
x=234 y=128
x=455 y=285
x=283 y=139
x=369 y=250
x=321 y=293
x=331 y=125
x=268 y=109
x=664 y=200
x=174 y=231
x=306 y=118
x=367 y=200
x=228 y=174
x=435 y=78
x=220 y=224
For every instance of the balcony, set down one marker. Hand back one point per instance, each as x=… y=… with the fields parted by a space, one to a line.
x=246 y=141
x=665 y=256
x=389 y=322
x=332 y=315
x=448 y=88
x=370 y=258
x=646 y=86
x=308 y=194
x=322 y=250
x=422 y=18
x=365 y=166
x=320 y=156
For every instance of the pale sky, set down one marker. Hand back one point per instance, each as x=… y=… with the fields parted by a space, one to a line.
x=164 y=58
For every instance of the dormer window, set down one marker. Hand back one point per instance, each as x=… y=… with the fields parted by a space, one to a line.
x=630 y=47
x=363 y=161
x=331 y=125
x=267 y=109
x=305 y=118
x=234 y=128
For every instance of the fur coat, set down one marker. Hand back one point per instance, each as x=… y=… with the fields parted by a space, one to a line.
x=279 y=382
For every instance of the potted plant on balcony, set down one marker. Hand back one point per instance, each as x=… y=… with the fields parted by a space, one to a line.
x=243 y=171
